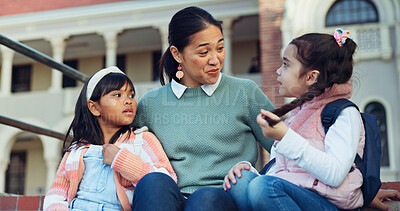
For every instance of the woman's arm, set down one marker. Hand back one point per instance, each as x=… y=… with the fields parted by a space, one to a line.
x=140 y=117
x=257 y=100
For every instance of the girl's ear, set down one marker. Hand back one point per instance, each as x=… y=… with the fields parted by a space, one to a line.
x=93 y=108
x=312 y=77
x=176 y=54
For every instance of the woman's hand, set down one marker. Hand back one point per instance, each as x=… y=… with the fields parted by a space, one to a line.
x=109 y=153
x=235 y=170
x=384 y=195
x=275 y=132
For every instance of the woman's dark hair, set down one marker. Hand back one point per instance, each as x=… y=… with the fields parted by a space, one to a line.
x=183 y=25
x=320 y=52
x=85 y=128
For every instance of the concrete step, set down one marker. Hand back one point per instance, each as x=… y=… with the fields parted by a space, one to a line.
x=11 y=202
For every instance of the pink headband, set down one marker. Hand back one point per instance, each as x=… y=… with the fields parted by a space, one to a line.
x=341 y=35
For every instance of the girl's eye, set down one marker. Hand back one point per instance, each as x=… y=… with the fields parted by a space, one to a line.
x=132 y=95
x=117 y=95
x=284 y=64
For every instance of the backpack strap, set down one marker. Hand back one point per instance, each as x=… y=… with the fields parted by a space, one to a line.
x=332 y=110
x=368 y=165
x=137 y=146
x=268 y=166
x=123 y=198
x=329 y=115
x=138 y=142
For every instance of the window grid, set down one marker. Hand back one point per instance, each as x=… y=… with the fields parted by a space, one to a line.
x=15 y=175
x=345 y=12
x=21 y=78
x=369 y=39
x=66 y=80
x=378 y=110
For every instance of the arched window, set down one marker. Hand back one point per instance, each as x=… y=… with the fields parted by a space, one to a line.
x=345 y=12
x=378 y=110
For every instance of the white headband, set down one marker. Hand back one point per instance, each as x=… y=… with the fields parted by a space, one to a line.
x=97 y=77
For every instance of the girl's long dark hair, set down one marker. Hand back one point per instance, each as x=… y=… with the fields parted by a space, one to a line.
x=320 y=52
x=183 y=25
x=85 y=128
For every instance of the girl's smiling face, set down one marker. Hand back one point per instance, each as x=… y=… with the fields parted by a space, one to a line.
x=202 y=59
x=291 y=82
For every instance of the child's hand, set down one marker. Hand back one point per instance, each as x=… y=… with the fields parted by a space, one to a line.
x=235 y=170
x=276 y=132
x=109 y=153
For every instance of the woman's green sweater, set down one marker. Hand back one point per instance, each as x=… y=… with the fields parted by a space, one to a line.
x=204 y=136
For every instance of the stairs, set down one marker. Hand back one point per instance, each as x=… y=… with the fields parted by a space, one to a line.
x=12 y=202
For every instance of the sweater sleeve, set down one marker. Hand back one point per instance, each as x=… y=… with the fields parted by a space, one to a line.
x=341 y=143
x=140 y=118
x=133 y=168
x=56 y=197
x=257 y=100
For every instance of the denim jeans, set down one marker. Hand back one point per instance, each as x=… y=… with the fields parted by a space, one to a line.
x=253 y=192
x=157 y=191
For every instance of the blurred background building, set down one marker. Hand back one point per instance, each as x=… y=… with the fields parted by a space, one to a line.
x=91 y=34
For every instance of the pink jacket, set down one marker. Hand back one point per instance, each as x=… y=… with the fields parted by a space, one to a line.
x=306 y=122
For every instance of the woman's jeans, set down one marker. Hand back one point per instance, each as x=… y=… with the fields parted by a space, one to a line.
x=254 y=192
x=158 y=191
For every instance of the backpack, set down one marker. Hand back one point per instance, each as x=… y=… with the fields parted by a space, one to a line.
x=369 y=165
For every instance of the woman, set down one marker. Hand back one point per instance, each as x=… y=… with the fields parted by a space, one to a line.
x=205 y=120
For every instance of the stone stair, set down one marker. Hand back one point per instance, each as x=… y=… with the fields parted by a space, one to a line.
x=11 y=202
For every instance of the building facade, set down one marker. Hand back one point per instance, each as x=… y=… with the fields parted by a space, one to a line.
x=89 y=35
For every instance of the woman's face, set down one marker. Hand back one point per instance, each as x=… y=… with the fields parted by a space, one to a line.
x=203 y=58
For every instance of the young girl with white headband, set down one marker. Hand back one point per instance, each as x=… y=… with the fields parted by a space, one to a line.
x=105 y=159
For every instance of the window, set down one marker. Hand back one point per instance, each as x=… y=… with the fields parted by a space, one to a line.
x=121 y=59
x=156 y=63
x=345 y=12
x=68 y=81
x=121 y=62
x=378 y=110
x=21 y=78
x=15 y=175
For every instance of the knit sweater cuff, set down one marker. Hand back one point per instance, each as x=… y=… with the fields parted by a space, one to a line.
x=115 y=159
x=129 y=165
